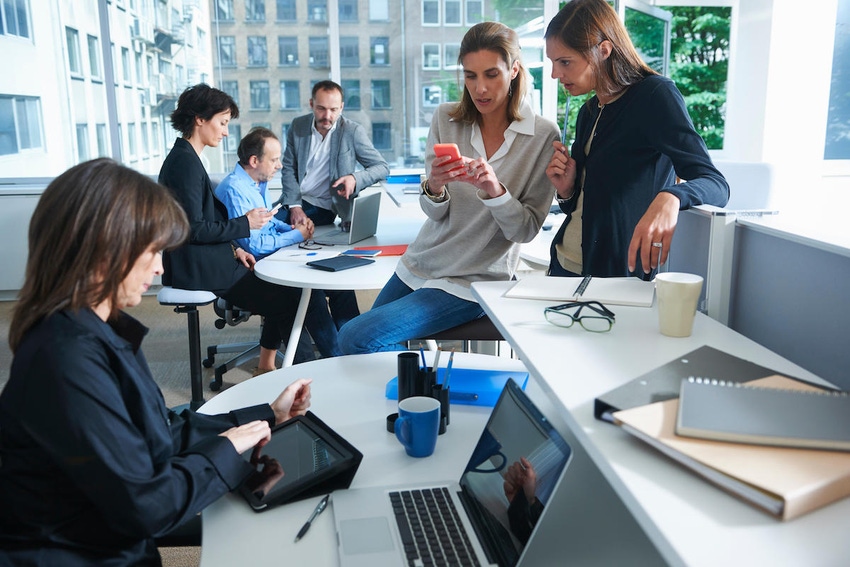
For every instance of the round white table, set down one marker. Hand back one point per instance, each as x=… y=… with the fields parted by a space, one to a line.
x=349 y=395
x=288 y=266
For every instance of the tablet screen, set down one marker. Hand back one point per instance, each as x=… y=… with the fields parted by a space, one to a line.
x=295 y=453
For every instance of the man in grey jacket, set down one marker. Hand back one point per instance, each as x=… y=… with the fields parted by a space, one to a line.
x=322 y=152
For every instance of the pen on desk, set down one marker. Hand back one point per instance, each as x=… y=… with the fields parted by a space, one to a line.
x=464 y=396
x=320 y=507
x=582 y=286
x=449 y=370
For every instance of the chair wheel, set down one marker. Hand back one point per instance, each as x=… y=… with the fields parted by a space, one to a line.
x=215 y=386
x=208 y=362
x=219 y=323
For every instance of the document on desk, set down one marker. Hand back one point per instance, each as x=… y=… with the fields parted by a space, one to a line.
x=609 y=291
x=785 y=482
x=295 y=254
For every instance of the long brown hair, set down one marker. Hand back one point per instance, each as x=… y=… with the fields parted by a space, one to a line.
x=500 y=39
x=90 y=226
x=582 y=25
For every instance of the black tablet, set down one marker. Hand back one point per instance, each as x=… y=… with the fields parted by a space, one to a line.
x=337 y=263
x=304 y=458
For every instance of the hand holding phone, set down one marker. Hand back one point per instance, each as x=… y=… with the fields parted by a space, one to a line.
x=276 y=208
x=452 y=150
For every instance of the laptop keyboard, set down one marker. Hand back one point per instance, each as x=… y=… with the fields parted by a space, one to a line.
x=430 y=528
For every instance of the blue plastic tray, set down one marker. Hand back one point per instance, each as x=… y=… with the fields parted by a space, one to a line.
x=468 y=386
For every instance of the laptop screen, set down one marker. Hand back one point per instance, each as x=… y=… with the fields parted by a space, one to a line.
x=512 y=474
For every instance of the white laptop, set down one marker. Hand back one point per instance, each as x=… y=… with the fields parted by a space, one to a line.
x=364 y=222
x=374 y=525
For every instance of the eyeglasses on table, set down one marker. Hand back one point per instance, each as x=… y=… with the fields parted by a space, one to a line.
x=596 y=318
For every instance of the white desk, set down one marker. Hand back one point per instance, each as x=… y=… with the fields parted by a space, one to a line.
x=686 y=519
x=348 y=395
x=394 y=227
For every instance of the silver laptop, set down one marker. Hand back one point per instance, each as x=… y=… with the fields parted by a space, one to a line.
x=364 y=222
x=480 y=523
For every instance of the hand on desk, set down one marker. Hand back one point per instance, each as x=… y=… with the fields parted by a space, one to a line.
x=305 y=227
x=294 y=400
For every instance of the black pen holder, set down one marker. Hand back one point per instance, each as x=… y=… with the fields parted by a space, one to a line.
x=442 y=394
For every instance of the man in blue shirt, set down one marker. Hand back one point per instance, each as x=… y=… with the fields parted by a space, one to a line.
x=245 y=188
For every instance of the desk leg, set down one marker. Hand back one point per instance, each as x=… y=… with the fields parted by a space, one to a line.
x=297 y=326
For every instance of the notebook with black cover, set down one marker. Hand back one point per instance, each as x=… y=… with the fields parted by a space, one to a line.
x=663 y=383
x=498 y=531
x=339 y=263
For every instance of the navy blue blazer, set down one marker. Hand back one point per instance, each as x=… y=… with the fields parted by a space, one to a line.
x=206 y=261
x=93 y=466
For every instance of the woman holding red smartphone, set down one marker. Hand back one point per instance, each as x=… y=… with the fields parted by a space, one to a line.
x=481 y=202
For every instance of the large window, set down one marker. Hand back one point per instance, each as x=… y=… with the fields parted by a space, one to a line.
x=72 y=42
x=20 y=124
x=260 y=95
x=349 y=51
x=319 y=52
x=95 y=70
x=231 y=88
x=382 y=135
x=317 y=11
x=286 y=11
x=452 y=13
x=351 y=87
x=287 y=51
x=380 y=94
x=257 y=51
x=837 y=146
x=227 y=51
x=14 y=18
x=290 y=98
x=347 y=10
x=379 y=51
x=223 y=10
x=430 y=12
x=255 y=10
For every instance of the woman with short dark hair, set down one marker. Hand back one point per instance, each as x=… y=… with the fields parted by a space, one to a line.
x=210 y=260
x=93 y=466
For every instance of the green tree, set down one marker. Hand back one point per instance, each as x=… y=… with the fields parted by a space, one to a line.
x=699 y=66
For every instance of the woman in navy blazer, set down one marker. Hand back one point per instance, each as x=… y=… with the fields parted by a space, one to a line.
x=93 y=467
x=209 y=260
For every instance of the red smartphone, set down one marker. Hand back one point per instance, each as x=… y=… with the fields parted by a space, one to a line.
x=452 y=150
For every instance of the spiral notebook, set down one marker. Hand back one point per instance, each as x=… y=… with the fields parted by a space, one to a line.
x=728 y=411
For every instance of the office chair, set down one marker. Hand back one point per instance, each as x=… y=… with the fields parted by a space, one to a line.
x=230 y=315
x=187 y=301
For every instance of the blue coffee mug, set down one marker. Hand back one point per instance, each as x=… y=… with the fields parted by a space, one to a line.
x=418 y=424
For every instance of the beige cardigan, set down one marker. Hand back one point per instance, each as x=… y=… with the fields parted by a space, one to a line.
x=467 y=239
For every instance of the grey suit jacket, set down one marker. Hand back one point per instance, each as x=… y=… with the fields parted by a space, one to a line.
x=349 y=146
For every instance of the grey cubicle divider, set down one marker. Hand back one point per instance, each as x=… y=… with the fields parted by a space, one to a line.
x=689 y=248
x=791 y=296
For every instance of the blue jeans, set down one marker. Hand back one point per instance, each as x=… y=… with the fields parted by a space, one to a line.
x=400 y=314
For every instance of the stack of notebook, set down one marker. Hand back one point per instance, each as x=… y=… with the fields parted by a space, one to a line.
x=776 y=442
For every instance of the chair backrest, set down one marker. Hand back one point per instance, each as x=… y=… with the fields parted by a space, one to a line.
x=229 y=313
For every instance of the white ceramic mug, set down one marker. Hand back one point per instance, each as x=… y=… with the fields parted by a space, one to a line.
x=678 y=294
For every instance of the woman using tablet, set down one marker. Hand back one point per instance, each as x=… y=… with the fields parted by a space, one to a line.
x=93 y=466
x=480 y=204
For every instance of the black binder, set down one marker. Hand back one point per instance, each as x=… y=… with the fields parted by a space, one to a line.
x=664 y=382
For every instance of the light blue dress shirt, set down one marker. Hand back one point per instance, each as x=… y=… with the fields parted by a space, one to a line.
x=240 y=193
